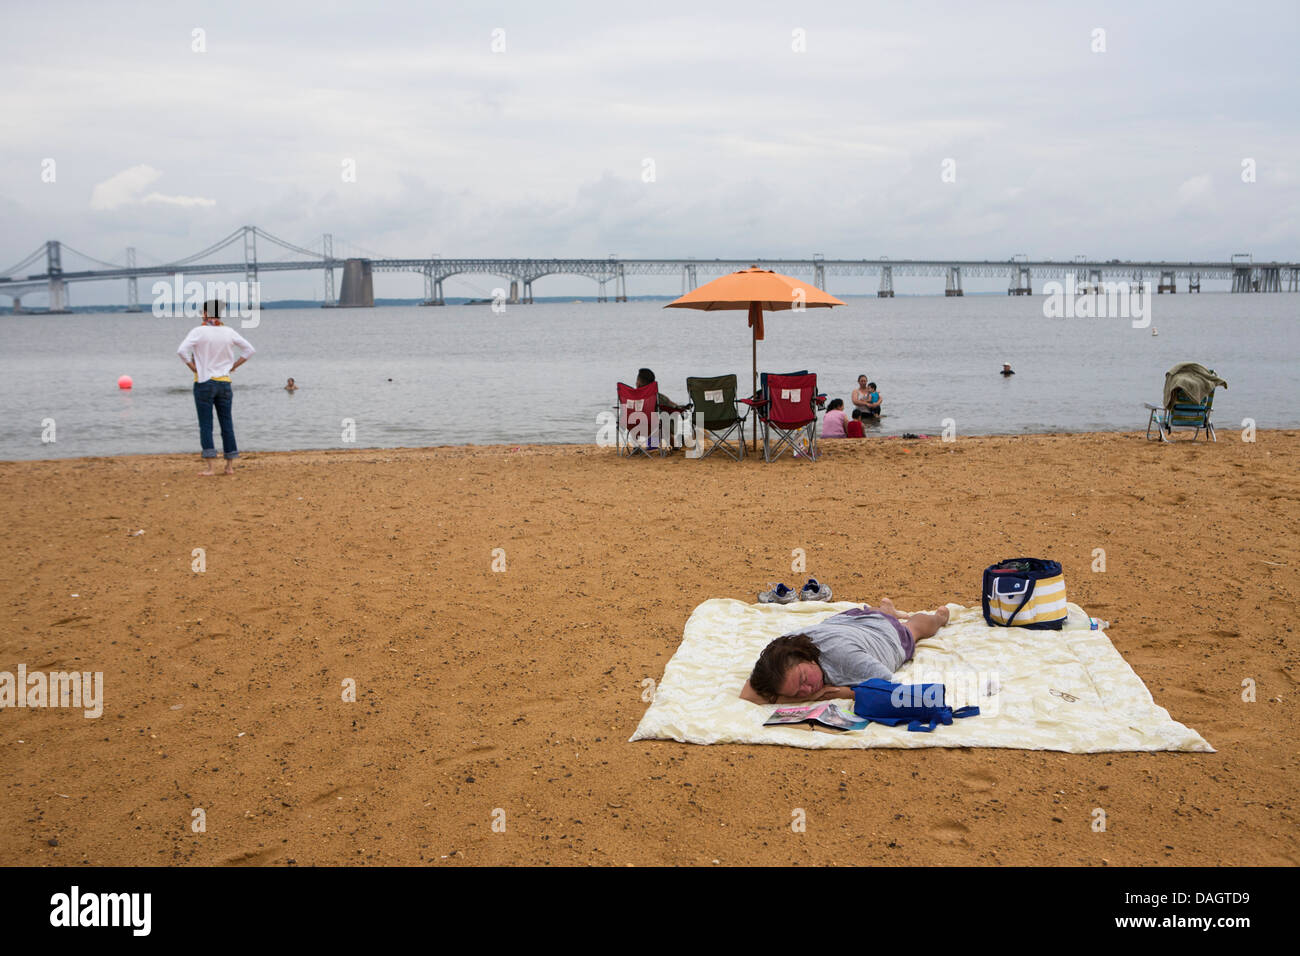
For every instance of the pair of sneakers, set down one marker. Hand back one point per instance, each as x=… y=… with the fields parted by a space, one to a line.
x=780 y=594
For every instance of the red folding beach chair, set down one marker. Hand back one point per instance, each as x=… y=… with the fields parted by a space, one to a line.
x=787 y=406
x=638 y=420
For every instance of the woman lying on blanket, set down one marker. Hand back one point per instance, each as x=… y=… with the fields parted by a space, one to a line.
x=824 y=661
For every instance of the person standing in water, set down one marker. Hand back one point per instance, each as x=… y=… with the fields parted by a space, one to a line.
x=861 y=395
x=209 y=352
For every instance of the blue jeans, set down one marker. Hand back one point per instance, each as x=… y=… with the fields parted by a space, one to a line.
x=206 y=395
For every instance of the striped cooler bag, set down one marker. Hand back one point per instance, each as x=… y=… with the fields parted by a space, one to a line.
x=1025 y=592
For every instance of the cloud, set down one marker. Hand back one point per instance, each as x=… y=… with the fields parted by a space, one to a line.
x=126 y=187
x=122 y=188
x=187 y=201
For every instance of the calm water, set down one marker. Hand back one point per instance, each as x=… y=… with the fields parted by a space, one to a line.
x=542 y=373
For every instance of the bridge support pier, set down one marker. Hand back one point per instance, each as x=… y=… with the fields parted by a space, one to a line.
x=58 y=297
x=132 y=290
x=620 y=285
x=250 y=264
x=886 y=290
x=54 y=268
x=819 y=271
x=1166 y=282
x=688 y=279
x=1021 y=281
x=1293 y=283
x=432 y=289
x=528 y=292
x=953 y=286
x=1194 y=282
x=327 y=252
x=1270 y=279
x=358 y=289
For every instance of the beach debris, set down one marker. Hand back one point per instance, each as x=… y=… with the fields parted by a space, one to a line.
x=135 y=534
x=78 y=595
x=177 y=706
x=240 y=734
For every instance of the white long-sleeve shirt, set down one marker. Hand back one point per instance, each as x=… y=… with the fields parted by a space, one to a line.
x=213 y=347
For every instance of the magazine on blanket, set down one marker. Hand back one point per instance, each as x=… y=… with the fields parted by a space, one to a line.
x=816 y=715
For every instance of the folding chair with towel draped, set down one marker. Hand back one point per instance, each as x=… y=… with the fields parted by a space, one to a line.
x=1188 y=400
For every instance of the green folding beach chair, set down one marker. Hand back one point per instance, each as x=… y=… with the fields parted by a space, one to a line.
x=713 y=403
x=1182 y=415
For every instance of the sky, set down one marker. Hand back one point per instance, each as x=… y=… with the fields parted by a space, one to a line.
x=947 y=130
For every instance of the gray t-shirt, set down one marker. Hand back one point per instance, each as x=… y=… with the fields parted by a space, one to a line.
x=855 y=648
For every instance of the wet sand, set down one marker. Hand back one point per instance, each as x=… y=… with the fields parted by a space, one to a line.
x=508 y=696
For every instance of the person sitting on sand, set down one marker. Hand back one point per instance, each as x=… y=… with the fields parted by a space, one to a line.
x=854 y=428
x=645 y=377
x=290 y=387
x=834 y=422
x=825 y=660
x=861 y=394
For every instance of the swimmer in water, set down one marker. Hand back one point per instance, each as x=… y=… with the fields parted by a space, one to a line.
x=290 y=387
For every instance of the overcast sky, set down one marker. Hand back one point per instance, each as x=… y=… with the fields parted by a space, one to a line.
x=653 y=129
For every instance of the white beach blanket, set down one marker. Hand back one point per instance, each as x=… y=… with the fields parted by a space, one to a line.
x=1037 y=690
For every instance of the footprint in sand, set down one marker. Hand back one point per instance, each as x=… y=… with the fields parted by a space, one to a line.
x=950 y=831
x=979 y=780
x=251 y=858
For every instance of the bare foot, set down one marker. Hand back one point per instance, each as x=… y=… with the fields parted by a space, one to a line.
x=207 y=474
x=942 y=615
x=887 y=606
x=229 y=470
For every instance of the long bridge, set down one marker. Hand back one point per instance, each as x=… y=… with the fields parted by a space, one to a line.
x=357 y=286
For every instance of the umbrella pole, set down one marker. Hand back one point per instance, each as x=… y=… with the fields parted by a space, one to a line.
x=753 y=445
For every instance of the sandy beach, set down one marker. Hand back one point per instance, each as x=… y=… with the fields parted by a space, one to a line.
x=516 y=690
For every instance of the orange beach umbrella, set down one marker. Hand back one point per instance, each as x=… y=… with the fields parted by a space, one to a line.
x=756 y=291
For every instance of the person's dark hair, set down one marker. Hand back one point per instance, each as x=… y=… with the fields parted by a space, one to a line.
x=645 y=376
x=212 y=308
x=857 y=414
x=871 y=385
x=834 y=404
x=777 y=659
